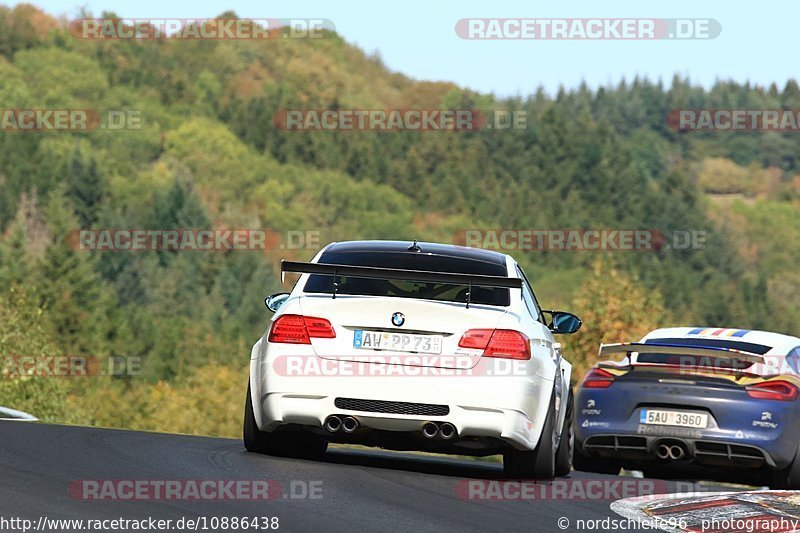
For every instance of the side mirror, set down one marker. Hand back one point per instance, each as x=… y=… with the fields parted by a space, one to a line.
x=275 y=301
x=563 y=322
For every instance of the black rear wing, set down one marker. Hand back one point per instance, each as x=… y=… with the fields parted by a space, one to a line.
x=479 y=280
x=469 y=280
x=680 y=349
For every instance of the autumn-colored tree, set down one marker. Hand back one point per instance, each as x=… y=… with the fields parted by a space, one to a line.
x=614 y=307
x=25 y=333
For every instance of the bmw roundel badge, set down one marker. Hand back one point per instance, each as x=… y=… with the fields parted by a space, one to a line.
x=398 y=319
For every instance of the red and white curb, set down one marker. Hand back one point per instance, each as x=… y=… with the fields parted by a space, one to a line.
x=715 y=512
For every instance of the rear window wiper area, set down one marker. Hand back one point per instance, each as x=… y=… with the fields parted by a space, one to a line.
x=467 y=287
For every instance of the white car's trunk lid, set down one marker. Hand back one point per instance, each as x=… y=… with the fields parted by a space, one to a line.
x=428 y=336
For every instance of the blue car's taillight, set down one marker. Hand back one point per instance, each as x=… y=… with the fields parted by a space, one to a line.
x=597 y=378
x=773 y=390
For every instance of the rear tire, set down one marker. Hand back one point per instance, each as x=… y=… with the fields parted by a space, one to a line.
x=787 y=478
x=566 y=446
x=539 y=463
x=255 y=440
x=288 y=444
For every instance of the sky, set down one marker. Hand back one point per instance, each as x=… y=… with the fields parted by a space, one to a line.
x=418 y=38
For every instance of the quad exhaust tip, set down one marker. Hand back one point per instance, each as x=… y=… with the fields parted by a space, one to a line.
x=333 y=423
x=447 y=431
x=430 y=430
x=349 y=424
x=444 y=431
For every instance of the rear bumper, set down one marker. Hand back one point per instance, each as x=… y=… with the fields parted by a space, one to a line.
x=477 y=428
x=489 y=413
x=742 y=431
x=636 y=449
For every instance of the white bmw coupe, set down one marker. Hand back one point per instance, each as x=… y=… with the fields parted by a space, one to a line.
x=413 y=346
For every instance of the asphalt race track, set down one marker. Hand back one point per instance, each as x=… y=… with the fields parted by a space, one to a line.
x=357 y=491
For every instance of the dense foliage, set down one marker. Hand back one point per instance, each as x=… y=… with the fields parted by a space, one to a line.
x=208 y=155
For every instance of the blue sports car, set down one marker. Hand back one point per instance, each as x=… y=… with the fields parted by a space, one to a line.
x=714 y=401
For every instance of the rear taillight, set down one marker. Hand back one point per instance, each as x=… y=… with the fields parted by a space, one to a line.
x=319 y=328
x=773 y=390
x=298 y=329
x=597 y=378
x=502 y=343
x=476 y=338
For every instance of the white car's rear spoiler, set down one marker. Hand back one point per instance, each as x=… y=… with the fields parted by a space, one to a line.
x=469 y=280
x=678 y=349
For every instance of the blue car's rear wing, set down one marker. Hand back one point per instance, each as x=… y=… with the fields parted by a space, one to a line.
x=469 y=280
x=679 y=349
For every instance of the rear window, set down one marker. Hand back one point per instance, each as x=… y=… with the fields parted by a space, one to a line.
x=318 y=283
